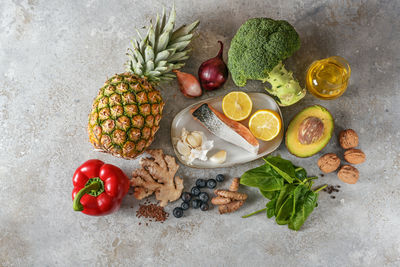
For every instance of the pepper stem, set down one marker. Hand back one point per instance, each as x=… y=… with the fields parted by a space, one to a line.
x=94 y=186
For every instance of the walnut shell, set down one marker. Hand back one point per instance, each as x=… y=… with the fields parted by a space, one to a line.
x=354 y=156
x=348 y=174
x=348 y=139
x=328 y=162
x=310 y=130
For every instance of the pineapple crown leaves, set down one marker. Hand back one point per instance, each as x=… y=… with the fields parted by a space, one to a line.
x=162 y=49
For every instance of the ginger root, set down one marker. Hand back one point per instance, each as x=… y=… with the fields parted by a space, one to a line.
x=229 y=201
x=157 y=176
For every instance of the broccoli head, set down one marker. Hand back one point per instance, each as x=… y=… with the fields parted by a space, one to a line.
x=256 y=53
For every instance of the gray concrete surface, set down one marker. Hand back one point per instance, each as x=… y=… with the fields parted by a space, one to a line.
x=54 y=55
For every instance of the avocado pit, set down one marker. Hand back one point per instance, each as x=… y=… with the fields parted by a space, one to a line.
x=310 y=130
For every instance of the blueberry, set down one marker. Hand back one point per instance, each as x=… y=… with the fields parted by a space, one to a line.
x=201 y=183
x=204 y=197
x=186 y=196
x=178 y=212
x=204 y=206
x=196 y=203
x=220 y=178
x=211 y=183
x=185 y=205
x=195 y=191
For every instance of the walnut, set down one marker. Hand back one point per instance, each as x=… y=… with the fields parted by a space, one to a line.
x=348 y=139
x=354 y=156
x=157 y=175
x=348 y=174
x=310 y=130
x=328 y=162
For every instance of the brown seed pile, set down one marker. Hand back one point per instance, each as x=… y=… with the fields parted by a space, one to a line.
x=331 y=189
x=152 y=211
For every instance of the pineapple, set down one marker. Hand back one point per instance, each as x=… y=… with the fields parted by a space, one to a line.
x=127 y=111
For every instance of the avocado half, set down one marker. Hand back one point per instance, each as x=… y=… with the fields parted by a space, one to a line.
x=306 y=150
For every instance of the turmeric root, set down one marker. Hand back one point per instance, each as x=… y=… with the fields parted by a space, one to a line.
x=234 y=185
x=231 y=195
x=229 y=201
x=230 y=207
x=220 y=200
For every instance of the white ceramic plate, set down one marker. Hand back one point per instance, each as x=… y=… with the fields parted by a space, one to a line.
x=235 y=154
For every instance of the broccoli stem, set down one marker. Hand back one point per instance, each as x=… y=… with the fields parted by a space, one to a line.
x=284 y=87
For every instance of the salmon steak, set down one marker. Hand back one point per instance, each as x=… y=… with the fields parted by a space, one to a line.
x=225 y=128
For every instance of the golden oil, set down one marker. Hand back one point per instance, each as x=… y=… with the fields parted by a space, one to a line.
x=328 y=78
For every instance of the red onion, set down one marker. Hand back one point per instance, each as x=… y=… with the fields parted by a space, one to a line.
x=189 y=85
x=213 y=73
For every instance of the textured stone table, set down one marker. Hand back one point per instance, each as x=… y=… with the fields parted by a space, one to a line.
x=54 y=55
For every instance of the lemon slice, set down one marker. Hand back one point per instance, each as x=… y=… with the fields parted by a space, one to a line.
x=265 y=124
x=237 y=106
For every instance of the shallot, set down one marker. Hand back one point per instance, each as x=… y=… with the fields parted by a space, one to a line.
x=213 y=73
x=188 y=83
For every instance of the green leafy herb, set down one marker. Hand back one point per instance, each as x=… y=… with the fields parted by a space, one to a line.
x=272 y=205
x=282 y=166
x=269 y=194
x=300 y=173
x=304 y=206
x=291 y=199
x=285 y=210
x=263 y=177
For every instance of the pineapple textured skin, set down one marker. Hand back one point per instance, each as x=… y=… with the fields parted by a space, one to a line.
x=125 y=116
x=127 y=111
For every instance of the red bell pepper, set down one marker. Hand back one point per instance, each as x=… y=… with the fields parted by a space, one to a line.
x=98 y=188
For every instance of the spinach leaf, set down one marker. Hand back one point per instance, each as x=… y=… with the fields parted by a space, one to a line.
x=291 y=199
x=263 y=177
x=299 y=194
x=303 y=209
x=284 y=167
x=269 y=194
x=286 y=190
x=285 y=211
x=300 y=173
x=271 y=206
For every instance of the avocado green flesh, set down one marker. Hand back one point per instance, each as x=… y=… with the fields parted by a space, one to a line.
x=303 y=150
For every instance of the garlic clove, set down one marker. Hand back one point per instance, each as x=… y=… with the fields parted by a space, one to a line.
x=194 y=139
x=198 y=134
x=184 y=134
x=182 y=148
x=219 y=157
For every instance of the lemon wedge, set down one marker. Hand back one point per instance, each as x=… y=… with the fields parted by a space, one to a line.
x=265 y=124
x=237 y=105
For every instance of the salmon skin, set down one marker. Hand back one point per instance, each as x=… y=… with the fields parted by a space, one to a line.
x=225 y=128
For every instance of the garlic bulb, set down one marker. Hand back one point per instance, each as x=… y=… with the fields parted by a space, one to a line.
x=193 y=145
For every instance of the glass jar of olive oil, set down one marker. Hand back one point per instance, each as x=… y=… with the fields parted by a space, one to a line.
x=328 y=78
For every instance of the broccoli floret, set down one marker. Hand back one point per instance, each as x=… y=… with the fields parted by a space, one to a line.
x=256 y=53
